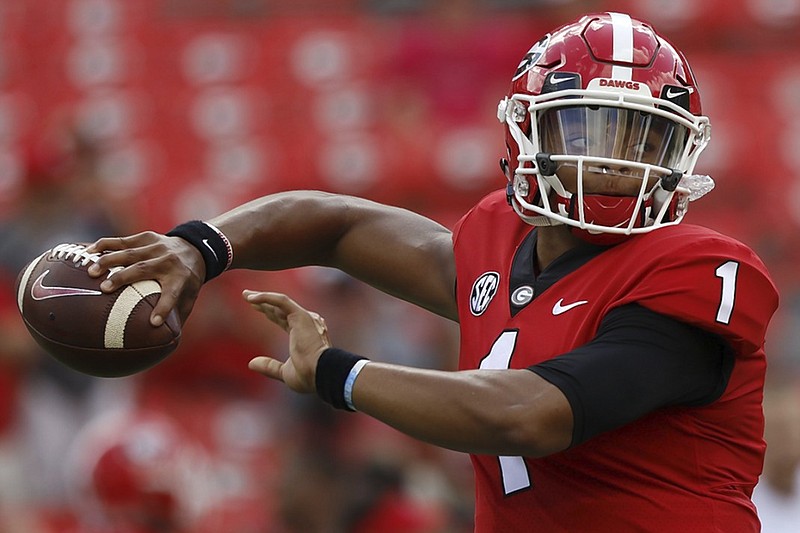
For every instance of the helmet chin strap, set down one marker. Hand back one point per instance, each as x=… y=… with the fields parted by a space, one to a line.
x=533 y=220
x=599 y=239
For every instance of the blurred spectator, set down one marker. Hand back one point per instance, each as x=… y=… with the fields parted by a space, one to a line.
x=391 y=509
x=777 y=495
x=130 y=471
x=61 y=202
x=62 y=199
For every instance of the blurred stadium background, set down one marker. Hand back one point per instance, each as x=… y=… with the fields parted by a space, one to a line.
x=123 y=115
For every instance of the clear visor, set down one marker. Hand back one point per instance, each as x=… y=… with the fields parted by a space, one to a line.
x=613 y=133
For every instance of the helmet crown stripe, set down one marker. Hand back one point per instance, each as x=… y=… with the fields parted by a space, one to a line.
x=622 y=26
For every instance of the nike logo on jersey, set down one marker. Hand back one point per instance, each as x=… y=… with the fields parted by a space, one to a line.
x=40 y=291
x=560 y=308
x=205 y=241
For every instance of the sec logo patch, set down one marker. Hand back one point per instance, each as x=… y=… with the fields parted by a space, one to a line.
x=483 y=290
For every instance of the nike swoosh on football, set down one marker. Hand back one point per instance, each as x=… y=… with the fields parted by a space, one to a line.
x=560 y=308
x=40 y=291
x=675 y=94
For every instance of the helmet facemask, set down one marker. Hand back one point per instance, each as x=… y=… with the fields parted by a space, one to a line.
x=638 y=147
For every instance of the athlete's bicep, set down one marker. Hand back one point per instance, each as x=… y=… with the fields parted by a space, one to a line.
x=639 y=361
x=402 y=253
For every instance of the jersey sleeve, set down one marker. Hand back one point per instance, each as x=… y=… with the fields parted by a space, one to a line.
x=714 y=283
x=639 y=361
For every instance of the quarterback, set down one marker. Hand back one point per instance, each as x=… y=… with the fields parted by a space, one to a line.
x=611 y=359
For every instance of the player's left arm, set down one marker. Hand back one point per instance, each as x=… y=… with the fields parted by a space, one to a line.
x=638 y=362
x=497 y=412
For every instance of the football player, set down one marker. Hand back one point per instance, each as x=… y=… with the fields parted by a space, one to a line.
x=611 y=360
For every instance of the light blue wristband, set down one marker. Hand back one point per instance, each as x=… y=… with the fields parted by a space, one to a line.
x=351 y=380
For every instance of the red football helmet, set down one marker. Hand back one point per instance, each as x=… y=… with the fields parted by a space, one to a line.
x=604 y=95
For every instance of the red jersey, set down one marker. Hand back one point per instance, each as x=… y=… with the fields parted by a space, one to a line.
x=673 y=469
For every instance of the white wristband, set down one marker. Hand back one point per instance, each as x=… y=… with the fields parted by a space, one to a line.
x=351 y=380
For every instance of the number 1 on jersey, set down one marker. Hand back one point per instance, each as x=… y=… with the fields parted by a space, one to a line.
x=513 y=469
x=727 y=272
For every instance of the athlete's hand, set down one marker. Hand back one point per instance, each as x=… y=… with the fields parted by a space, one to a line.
x=308 y=338
x=174 y=263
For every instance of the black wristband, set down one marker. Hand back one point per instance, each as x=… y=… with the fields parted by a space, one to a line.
x=333 y=368
x=210 y=242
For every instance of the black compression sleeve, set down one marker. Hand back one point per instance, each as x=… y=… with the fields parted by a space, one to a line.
x=639 y=361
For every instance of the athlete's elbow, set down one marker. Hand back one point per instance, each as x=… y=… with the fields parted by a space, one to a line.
x=534 y=418
x=535 y=436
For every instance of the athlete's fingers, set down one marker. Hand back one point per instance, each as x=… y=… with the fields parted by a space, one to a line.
x=109 y=262
x=170 y=299
x=174 y=263
x=267 y=366
x=136 y=270
x=273 y=313
x=278 y=300
x=106 y=244
x=308 y=338
x=283 y=306
x=124 y=251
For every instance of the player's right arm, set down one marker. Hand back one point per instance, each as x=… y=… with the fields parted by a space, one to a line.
x=397 y=251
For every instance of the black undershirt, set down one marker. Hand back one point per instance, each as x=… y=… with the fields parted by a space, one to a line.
x=638 y=362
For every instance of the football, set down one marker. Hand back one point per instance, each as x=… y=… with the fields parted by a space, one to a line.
x=96 y=333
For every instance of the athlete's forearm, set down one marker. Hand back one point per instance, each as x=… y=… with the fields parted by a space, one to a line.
x=496 y=412
x=400 y=252
x=285 y=230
